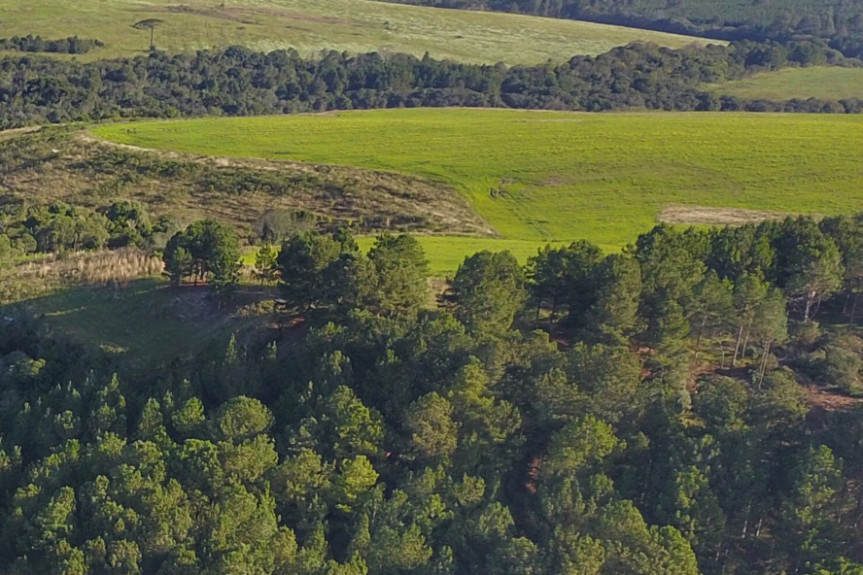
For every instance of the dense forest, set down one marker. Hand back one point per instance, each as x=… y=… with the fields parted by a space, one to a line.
x=636 y=413
x=238 y=81
x=713 y=19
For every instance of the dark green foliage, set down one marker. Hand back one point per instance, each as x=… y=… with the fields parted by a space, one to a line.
x=386 y=436
x=302 y=264
x=725 y=20
x=398 y=286
x=30 y=43
x=239 y=82
x=206 y=250
x=487 y=292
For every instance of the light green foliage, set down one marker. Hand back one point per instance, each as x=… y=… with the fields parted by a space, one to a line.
x=542 y=176
x=266 y=267
x=242 y=418
x=309 y=27
x=348 y=428
x=485 y=424
x=354 y=478
x=581 y=443
x=432 y=434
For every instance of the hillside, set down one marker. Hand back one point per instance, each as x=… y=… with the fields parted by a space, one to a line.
x=552 y=176
x=827 y=83
x=66 y=165
x=310 y=26
x=724 y=18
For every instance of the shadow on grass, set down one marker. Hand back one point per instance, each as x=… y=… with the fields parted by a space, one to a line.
x=146 y=322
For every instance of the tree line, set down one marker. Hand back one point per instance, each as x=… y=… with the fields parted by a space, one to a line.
x=724 y=20
x=237 y=82
x=30 y=43
x=639 y=412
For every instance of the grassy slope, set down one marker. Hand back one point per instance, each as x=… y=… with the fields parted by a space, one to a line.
x=827 y=83
x=547 y=176
x=64 y=164
x=313 y=25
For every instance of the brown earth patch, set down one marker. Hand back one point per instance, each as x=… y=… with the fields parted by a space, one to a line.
x=703 y=215
x=830 y=400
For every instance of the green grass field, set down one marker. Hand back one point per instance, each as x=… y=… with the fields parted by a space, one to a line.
x=540 y=177
x=313 y=25
x=826 y=83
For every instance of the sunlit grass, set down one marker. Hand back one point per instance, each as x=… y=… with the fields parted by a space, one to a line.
x=310 y=26
x=541 y=177
x=822 y=82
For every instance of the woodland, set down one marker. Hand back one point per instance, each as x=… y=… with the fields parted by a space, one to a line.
x=237 y=81
x=643 y=412
x=690 y=404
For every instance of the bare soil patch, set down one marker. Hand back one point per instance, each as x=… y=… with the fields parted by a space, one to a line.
x=704 y=215
x=830 y=400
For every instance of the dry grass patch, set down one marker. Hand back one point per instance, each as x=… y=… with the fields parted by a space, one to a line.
x=61 y=164
x=704 y=215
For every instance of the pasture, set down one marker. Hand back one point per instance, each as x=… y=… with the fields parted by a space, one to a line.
x=310 y=26
x=822 y=82
x=538 y=177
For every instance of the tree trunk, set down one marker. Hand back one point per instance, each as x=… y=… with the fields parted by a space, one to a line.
x=809 y=299
x=763 y=364
x=737 y=345
x=854 y=309
x=745 y=341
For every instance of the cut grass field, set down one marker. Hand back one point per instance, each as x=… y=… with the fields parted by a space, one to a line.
x=313 y=25
x=540 y=177
x=822 y=82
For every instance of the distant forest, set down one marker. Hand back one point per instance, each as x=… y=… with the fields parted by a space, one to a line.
x=238 y=81
x=710 y=18
x=30 y=43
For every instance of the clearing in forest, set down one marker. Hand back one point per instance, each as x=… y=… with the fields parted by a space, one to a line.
x=540 y=177
x=310 y=26
x=822 y=82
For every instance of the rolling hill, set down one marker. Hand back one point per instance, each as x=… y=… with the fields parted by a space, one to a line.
x=539 y=177
x=310 y=26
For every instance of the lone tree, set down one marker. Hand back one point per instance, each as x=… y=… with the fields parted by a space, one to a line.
x=206 y=249
x=149 y=24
